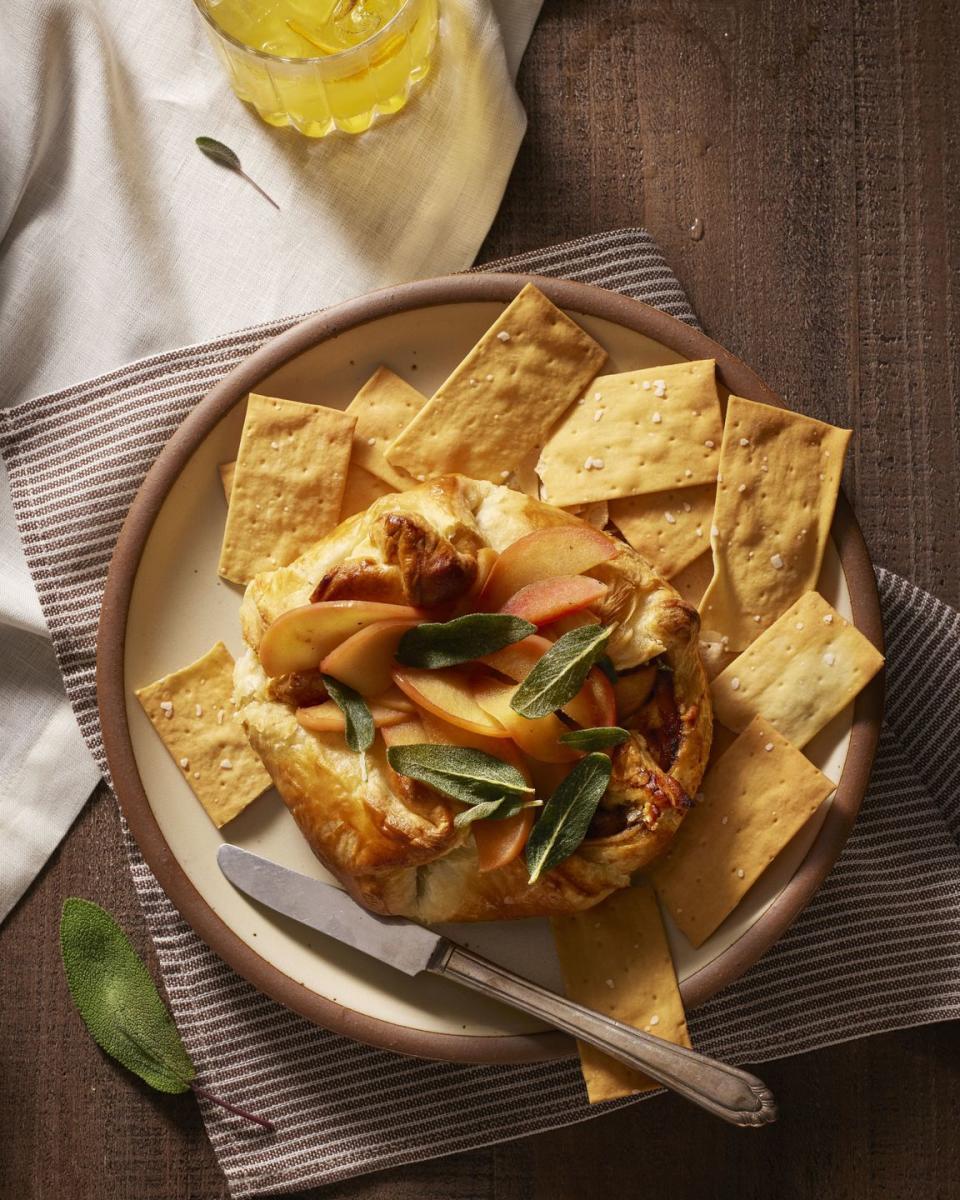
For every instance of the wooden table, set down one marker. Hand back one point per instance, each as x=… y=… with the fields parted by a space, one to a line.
x=817 y=144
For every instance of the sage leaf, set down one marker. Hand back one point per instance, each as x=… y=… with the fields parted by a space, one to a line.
x=359 y=729
x=566 y=816
x=490 y=810
x=560 y=674
x=460 y=772
x=117 y=999
x=605 y=663
x=230 y=159
x=446 y=643
x=121 y=1007
x=600 y=737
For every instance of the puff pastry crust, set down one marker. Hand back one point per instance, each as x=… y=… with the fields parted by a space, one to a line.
x=395 y=848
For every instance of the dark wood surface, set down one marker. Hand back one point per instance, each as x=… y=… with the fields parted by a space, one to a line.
x=818 y=143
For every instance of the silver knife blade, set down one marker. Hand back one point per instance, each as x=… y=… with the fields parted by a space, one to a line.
x=393 y=940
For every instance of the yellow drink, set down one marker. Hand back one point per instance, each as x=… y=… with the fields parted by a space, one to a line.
x=321 y=65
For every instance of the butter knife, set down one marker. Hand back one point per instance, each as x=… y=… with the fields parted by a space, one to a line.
x=725 y=1091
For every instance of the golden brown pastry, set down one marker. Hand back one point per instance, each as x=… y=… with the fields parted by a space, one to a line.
x=392 y=841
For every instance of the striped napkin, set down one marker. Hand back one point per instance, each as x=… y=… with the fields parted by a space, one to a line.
x=878 y=948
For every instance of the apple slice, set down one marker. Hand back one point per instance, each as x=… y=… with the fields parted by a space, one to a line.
x=540 y=737
x=302 y=638
x=544 y=554
x=577 y=620
x=548 y=600
x=327 y=718
x=500 y=842
x=365 y=660
x=447 y=694
x=594 y=704
x=394 y=698
x=409 y=733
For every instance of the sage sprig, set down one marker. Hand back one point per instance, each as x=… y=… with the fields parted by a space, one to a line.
x=359 y=730
x=566 y=816
x=561 y=672
x=599 y=737
x=446 y=643
x=460 y=772
x=120 y=1004
x=230 y=159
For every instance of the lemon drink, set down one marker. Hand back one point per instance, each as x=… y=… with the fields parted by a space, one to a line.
x=321 y=65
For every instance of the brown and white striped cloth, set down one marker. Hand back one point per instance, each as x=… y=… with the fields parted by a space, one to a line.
x=877 y=949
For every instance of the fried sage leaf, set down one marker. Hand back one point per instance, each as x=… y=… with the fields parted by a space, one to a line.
x=446 y=643
x=460 y=772
x=599 y=737
x=566 y=816
x=490 y=810
x=359 y=730
x=560 y=674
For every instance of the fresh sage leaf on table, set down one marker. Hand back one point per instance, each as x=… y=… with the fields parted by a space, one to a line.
x=470 y=776
x=566 y=816
x=120 y=1004
x=446 y=643
x=228 y=158
x=359 y=730
x=492 y=810
x=600 y=737
x=560 y=674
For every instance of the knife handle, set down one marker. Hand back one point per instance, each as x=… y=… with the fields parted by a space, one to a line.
x=725 y=1091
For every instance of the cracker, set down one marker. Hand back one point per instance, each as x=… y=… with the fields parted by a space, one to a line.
x=638 y=432
x=752 y=801
x=384 y=406
x=615 y=959
x=799 y=673
x=669 y=529
x=288 y=484
x=501 y=401
x=596 y=514
x=227 y=471
x=779 y=478
x=693 y=580
x=193 y=712
x=361 y=490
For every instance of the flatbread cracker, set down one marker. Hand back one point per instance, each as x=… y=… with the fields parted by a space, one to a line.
x=693 y=580
x=779 y=478
x=288 y=484
x=637 y=432
x=502 y=400
x=670 y=529
x=752 y=801
x=193 y=712
x=361 y=490
x=615 y=959
x=227 y=471
x=799 y=673
x=383 y=407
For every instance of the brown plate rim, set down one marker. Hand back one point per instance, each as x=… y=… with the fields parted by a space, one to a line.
x=576 y=297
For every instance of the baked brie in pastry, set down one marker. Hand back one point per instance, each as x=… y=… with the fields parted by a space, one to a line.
x=429 y=554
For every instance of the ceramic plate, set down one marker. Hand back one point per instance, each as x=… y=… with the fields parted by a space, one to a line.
x=165 y=606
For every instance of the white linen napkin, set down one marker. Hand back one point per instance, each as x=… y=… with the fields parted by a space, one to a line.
x=121 y=240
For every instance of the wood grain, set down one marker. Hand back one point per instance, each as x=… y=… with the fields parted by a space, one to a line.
x=818 y=143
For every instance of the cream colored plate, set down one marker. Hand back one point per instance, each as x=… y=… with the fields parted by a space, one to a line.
x=180 y=607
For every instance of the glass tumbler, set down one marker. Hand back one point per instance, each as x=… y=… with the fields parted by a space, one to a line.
x=346 y=90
